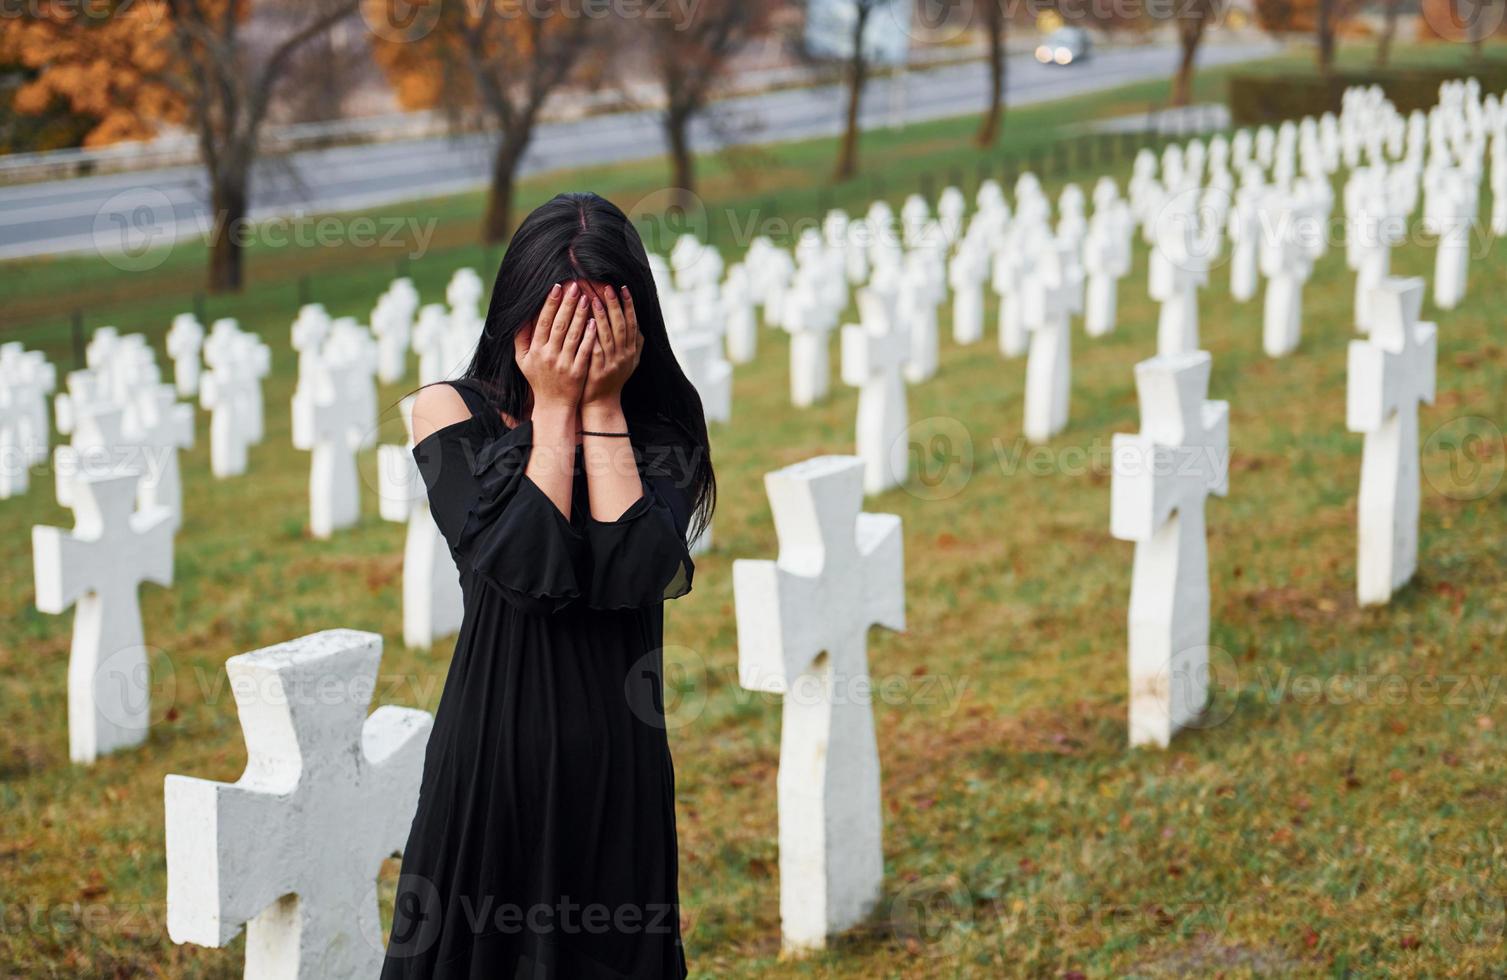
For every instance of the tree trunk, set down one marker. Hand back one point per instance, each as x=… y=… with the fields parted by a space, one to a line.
x=1388 y=33
x=1325 y=22
x=1478 y=28
x=497 y=223
x=228 y=198
x=677 y=135
x=994 y=19
x=1190 y=35
x=847 y=160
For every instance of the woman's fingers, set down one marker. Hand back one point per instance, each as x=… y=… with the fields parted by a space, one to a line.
x=631 y=316
x=571 y=340
x=587 y=349
x=545 y=323
x=606 y=336
x=522 y=341
x=617 y=320
x=569 y=309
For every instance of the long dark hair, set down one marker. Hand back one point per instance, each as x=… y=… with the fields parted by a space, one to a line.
x=583 y=236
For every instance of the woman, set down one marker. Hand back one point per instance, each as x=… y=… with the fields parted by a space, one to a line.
x=566 y=470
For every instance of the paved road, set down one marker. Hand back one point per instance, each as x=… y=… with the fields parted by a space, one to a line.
x=126 y=211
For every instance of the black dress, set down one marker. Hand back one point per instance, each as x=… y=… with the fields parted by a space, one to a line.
x=544 y=843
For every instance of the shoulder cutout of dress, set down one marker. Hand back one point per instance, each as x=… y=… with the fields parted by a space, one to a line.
x=447 y=410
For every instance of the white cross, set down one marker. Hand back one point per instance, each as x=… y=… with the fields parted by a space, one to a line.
x=464 y=294
x=308 y=333
x=873 y=355
x=431 y=582
x=912 y=306
x=392 y=327
x=184 y=341
x=1178 y=266
x=737 y=305
x=1391 y=373
x=96 y=446
x=98 y=566
x=231 y=391
x=1287 y=262
x=1161 y=479
x=157 y=426
x=1049 y=365
x=88 y=392
x=1457 y=195
x=429 y=343
x=15 y=456
x=26 y=378
x=803 y=632
x=700 y=357
x=332 y=426
x=101 y=346
x=1106 y=258
x=292 y=850
x=809 y=323
x=1011 y=272
x=966 y=275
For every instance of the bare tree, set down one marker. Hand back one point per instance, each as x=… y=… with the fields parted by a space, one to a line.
x=502 y=58
x=136 y=66
x=995 y=27
x=1193 y=19
x=1324 y=18
x=1388 y=32
x=691 y=46
x=517 y=59
x=228 y=100
x=1477 y=29
x=857 y=73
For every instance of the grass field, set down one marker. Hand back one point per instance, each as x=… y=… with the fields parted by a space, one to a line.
x=1342 y=817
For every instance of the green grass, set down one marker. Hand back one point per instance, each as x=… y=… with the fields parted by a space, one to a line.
x=1308 y=833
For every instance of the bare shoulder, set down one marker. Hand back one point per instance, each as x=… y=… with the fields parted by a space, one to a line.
x=435 y=407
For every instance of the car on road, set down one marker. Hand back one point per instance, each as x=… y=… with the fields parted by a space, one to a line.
x=1064 y=46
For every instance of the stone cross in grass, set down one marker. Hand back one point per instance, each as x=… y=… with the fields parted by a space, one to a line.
x=292 y=850
x=966 y=274
x=803 y=624
x=1458 y=203
x=873 y=355
x=26 y=379
x=431 y=583
x=308 y=333
x=915 y=303
x=810 y=323
x=429 y=336
x=737 y=303
x=231 y=390
x=184 y=342
x=1179 y=266
x=1391 y=374
x=1106 y=257
x=157 y=426
x=96 y=444
x=97 y=568
x=1287 y=262
x=15 y=457
x=1161 y=479
x=332 y=426
x=1049 y=364
x=700 y=357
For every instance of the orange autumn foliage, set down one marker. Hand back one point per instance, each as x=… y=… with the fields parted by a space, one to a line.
x=1302 y=16
x=429 y=66
x=109 y=61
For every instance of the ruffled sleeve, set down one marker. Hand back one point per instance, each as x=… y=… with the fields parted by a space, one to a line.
x=497 y=521
x=641 y=558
